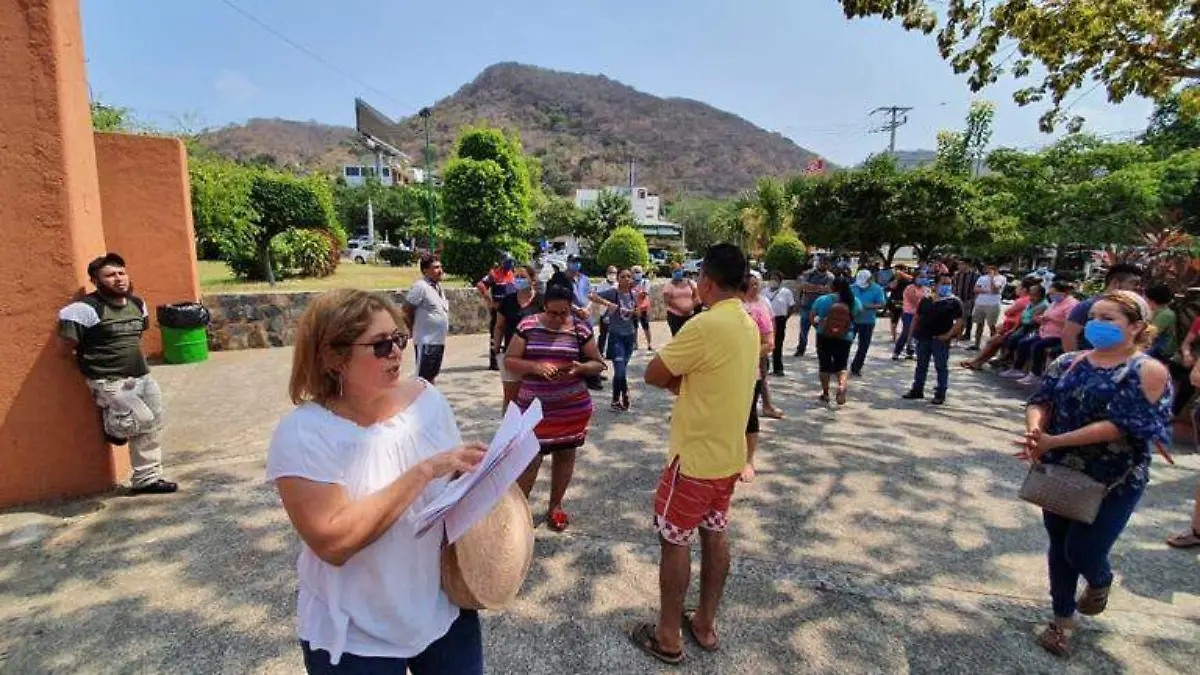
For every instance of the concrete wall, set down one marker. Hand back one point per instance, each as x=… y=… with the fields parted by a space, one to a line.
x=147 y=210
x=51 y=444
x=257 y=320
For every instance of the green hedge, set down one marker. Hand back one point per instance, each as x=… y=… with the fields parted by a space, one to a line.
x=786 y=255
x=397 y=257
x=625 y=247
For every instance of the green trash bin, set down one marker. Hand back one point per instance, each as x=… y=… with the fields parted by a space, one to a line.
x=184 y=345
x=184 y=336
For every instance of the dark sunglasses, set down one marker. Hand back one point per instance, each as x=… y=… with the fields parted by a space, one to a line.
x=383 y=347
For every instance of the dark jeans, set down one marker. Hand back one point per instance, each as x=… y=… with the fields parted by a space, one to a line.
x=458 y=652
x=1080 y=550
x=1184 y=391
x=968 y=310
x=1038 y=348
x=492 y=314
x=863 y=332
x=805 y=325
x=777 y=354
x=940 y=352
x=902 y=342
x=620 y=349
x=429 y=361
x=675 y=322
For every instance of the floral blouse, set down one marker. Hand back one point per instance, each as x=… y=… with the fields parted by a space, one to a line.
x=1088 y=393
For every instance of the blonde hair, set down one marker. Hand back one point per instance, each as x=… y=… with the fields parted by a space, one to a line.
x=1135 y=308
x=330 y=323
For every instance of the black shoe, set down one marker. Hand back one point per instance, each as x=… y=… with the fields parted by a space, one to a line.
x=798 y=355
x=595 y=386
x=938 y=399
x=909 y=357
x=913 y=395
x=777 y=373
x=972 y=348
x=114 y=440
x=856 y=373
x=158 y=487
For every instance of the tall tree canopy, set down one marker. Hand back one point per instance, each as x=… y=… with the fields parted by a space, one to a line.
x=1143 y=47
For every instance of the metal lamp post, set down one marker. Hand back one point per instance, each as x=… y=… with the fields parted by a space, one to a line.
x=425 y=114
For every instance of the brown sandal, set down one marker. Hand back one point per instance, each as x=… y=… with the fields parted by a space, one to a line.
x=1093 y=601
x=1189 y=539
x=643 y=635
x=688 y=615
x=1055 y=639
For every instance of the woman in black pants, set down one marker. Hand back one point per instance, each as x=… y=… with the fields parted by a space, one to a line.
x=782 y=303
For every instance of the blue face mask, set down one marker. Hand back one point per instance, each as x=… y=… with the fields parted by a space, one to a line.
x=637 y=276
x=1103 y=334
x=1056 y=298
x=922 y=282
x=677 y=275
x=574 y=267
x=508 y=265
x=945 y=290
x=522 y=283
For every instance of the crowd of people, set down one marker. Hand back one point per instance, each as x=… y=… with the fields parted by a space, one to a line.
x=367 y=446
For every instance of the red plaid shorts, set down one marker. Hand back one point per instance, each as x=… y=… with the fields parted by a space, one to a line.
x=683 y=504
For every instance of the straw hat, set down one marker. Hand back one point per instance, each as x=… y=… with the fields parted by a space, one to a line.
x=486 y=567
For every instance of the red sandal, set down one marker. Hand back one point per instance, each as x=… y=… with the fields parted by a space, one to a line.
x=558 y=520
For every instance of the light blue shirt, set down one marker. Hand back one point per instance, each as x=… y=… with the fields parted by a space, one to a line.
x=871 y=295
x=583 y=290
x=821 y=309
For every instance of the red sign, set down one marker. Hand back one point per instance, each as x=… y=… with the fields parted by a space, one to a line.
x=816 y=167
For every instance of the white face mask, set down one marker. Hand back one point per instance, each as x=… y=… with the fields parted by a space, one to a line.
x=774 y=285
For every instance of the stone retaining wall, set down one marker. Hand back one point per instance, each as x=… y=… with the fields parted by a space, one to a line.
x=258 y=320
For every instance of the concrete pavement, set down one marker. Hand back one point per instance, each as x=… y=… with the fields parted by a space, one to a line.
x=882 y=537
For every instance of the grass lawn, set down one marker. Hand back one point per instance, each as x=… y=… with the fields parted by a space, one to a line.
x=215 y=277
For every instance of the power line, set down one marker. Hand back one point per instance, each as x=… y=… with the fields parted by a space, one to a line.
x=313 y=55
x=899 y=117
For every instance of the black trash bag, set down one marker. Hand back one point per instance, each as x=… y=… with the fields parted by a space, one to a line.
x=183 y=315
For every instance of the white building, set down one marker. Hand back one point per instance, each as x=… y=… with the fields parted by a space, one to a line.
x=646 y=205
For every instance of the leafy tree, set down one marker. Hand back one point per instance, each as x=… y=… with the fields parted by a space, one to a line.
x=610 y=211
x=625 y=247
x=111 y=118
x=222 y=214
x=557 y=217
x=284 y=202
x=1172 y=129
x=786 y=255
x=1130 y=46
x=928 y=211
x=400 y=210
x=694 y=215
x=961 y=153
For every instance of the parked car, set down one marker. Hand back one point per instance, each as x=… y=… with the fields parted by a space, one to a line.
x=658 y=257
x=362 y=253
x=692 y=266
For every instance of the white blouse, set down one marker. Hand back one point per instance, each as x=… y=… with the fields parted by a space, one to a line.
x=387 y=600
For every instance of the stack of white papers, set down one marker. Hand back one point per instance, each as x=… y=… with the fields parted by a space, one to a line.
x=473 y=495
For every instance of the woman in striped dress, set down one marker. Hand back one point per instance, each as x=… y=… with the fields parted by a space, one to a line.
x=552 y=352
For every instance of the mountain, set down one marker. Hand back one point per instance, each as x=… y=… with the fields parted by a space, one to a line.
x=583 y=128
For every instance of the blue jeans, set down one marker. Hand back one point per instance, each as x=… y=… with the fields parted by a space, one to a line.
x=620 y=349
x=1038 y=348
x=1080 y=550
x=459 y=651
x=805 y=325
x=902 y=342
x=940 y=351
x=863 y=331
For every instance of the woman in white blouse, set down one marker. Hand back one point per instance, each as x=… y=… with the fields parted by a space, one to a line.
x=364 y=451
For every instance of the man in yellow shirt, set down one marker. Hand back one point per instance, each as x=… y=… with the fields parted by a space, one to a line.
x=711 y=364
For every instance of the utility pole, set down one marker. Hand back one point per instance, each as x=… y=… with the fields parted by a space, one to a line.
x=425 y=114
x=899 y=117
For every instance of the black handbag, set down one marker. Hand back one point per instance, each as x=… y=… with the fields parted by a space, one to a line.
x=593 y=381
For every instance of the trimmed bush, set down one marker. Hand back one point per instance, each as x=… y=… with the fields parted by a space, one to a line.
x=313 y=253
x=625 y=247
x=396 y=257
x=786 y=255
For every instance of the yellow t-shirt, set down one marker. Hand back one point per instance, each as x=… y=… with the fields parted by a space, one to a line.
x=716 y=353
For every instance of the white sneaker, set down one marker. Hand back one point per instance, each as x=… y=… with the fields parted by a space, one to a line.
x=1013 y=374
x=1030 y=380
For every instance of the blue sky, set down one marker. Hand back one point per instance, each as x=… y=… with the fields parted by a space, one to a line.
x=793 y=66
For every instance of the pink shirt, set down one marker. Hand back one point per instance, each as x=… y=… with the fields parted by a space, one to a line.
x=762 y=316
x=1056 y=316
x=679 y=298
x=913 y=295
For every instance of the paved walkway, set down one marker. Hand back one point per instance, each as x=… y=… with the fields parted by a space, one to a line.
x=883 y=537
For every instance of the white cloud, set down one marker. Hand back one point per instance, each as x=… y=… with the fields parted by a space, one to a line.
x=235 y=86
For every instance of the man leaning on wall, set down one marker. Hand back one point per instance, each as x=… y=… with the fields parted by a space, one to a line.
x=104 y=330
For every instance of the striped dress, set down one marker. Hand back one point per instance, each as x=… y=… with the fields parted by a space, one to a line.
x=566 y=402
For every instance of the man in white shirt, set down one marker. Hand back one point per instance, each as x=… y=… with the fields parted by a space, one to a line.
x=428 y=313
x=783 y=302
x=988 y=293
